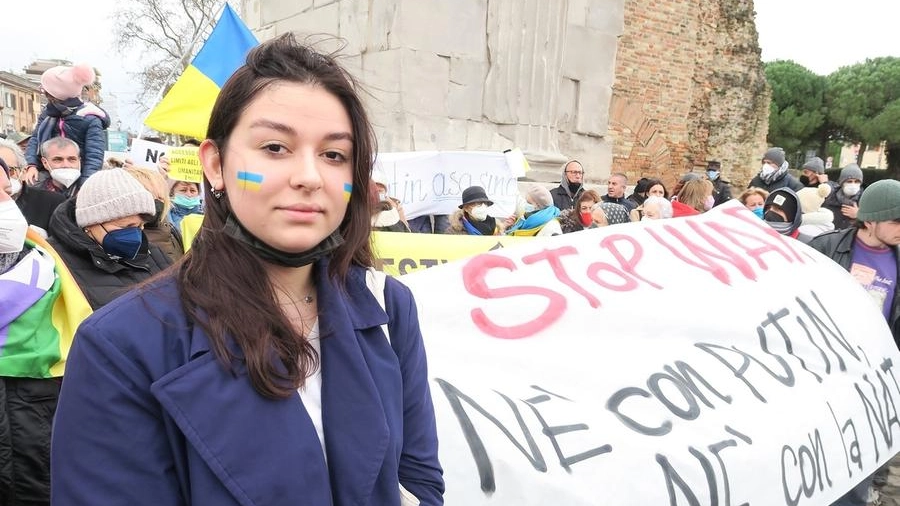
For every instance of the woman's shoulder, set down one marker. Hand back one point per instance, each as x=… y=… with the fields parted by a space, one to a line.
x=141 y=311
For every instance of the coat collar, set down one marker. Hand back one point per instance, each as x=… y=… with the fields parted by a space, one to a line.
x=264 y=450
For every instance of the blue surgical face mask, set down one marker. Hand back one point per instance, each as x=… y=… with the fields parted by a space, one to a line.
x=185 y=201
x=124 y=242
x=528 y=208
x=712 y=175
x=759 y=212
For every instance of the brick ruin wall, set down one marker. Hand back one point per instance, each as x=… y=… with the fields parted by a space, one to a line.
x=689 y=87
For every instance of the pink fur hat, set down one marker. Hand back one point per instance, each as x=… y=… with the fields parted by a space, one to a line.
x=67 y=82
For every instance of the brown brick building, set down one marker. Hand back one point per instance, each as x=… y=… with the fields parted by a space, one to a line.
x=689 y=88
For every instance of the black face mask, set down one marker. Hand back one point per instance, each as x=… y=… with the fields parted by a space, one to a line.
x=805 y=181
x=773 y=217
x=265 y=252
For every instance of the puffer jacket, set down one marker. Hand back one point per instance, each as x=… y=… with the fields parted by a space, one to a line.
x=838 y=245
x=101 y=278
x=87 y=127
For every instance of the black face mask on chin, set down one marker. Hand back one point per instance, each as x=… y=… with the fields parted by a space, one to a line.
x=265 y=252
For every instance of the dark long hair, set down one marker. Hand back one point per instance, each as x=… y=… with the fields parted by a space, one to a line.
x=223 y=284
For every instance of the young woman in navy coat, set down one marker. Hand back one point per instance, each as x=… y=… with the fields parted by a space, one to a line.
x=255 y=371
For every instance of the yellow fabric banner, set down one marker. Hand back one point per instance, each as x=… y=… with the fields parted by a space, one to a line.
x=398 y=253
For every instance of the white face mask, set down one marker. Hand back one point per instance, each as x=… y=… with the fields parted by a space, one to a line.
x=850 y=189
x=65 y=176
x=12 y=228
x=768 y=169
x=479 y=212
x=14 y=186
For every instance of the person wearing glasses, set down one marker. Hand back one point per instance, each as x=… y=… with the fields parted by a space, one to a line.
x=570 y=187
x=36 y=204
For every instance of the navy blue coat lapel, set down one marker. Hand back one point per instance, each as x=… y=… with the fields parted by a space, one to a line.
x=251 y=444
x=356 y=430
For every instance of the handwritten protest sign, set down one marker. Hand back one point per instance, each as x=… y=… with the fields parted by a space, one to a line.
x=184 y=164
x=146 y=154
x=432 y=182
x=579 y=370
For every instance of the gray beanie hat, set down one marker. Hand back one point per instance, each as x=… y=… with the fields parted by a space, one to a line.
x=111 y=194
x=775 y=155
x=850 y=171
x=815 y=164
x=880 y=201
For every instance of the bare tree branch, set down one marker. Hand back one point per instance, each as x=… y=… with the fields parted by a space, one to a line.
x=164 y=31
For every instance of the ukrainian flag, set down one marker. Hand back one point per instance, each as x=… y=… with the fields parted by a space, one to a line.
x=186 y=108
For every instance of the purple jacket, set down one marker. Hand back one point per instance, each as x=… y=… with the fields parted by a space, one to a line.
x=148 y=416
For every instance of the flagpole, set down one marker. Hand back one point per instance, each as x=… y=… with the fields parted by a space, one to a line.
x=190 y=49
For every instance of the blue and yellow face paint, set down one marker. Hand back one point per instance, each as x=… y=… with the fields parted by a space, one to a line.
x=250 y=181
x=348 y=189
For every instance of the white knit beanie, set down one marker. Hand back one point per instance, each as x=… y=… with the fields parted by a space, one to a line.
x=111 y=194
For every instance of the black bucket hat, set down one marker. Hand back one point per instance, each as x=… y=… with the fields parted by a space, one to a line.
x=475 y=195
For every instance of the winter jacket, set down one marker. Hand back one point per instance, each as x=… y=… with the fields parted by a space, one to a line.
x=721 y=191
x=87 y=127
x=37 y=205
x=101 y=278
x=149 y=416
x=570 y=221
x=835 y=200
x=838 y=245
x=458 y=226
x=563 y=197
x=786 y=180
x=622 y=201
x=815 y=224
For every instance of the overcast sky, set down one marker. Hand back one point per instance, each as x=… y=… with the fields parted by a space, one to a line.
x=822 y=35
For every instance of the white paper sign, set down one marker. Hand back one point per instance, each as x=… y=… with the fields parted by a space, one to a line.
x=146 y=154
x=692 y=361
x=432 y=182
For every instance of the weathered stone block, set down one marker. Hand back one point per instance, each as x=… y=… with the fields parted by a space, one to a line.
x=592 y=117
x=590 y=55
x=353 y=25
x=568 y=103
x=449 y=28
x=317 y=22
x=274 y=11
x=577 y=12
x=424 y=82
x=607 y=16
x=466 y=88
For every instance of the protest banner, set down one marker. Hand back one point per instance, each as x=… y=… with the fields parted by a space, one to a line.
x=432 y=182
x=184 y=164
x=578 y=370
x=146 y=154
x=398 y=253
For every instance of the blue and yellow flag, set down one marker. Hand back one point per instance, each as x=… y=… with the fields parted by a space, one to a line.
x=186 y=107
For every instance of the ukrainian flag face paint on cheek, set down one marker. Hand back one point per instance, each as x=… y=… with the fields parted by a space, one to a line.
x=348 y=189
x=249 y=181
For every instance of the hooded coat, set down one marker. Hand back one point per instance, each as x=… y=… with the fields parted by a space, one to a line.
x=563 y=196
x=101 y=278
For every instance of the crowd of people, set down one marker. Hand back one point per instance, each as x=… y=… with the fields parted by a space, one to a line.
x=157 y=346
